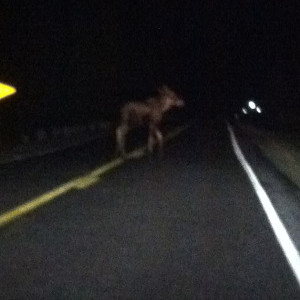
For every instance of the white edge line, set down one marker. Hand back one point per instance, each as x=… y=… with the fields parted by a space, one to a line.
x=283 y=238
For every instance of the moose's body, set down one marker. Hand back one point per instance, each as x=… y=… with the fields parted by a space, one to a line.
x=148 y=113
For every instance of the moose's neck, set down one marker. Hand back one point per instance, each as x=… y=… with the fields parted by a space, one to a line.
x=165 y=104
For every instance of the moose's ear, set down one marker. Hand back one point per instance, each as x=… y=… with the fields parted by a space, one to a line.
x=164 y=89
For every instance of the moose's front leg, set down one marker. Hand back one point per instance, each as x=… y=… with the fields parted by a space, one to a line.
x=151 y=141
x=160 y=140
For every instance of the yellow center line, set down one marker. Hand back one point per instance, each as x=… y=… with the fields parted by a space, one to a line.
x=77 y=183
x=107 y=167
x=33 y=204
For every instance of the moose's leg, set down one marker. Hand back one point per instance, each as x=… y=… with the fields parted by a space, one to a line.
x=121 y=132
x=151 y=141
x=159 y=138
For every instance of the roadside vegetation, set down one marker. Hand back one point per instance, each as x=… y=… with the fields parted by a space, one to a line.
x=284 y=151
x=282 y=148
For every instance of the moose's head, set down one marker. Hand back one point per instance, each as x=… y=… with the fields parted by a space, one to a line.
x=169 y=98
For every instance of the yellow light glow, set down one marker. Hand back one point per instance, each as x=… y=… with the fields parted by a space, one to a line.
x=6 y=90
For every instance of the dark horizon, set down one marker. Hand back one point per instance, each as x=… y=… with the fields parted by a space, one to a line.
x=72 y=58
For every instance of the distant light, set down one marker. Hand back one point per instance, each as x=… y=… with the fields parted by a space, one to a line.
x=258 y=109
x=244 y=110
x=6 y=90
x=252 y=105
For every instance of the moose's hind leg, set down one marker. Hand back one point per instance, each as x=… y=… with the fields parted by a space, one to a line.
x=121 y=133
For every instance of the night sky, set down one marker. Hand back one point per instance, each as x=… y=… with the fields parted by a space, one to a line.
x=73 y=58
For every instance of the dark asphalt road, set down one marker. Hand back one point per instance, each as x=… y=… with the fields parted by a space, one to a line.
x=186 y=227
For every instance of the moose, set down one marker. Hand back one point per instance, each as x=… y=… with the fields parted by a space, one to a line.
x=147 y=113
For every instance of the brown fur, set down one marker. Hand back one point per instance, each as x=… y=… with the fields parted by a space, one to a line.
x=150 y=113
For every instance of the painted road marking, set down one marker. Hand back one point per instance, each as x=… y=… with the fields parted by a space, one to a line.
x=81 y=182
x=283 y=238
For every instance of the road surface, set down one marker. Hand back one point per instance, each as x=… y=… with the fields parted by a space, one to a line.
x=188 y=226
